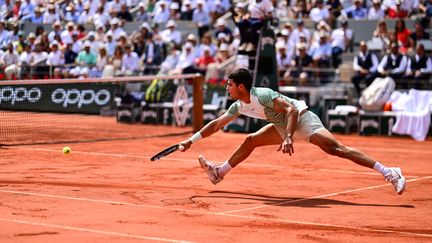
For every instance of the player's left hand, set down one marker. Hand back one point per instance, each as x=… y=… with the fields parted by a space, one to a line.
x=287 y=146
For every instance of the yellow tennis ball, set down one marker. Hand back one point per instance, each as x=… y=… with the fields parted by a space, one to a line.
x=67 y=150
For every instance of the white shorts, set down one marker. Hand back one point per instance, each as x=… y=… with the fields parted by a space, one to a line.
x=308 y=124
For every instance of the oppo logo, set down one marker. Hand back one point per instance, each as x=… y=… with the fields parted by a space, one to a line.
x=19 y=94
x=80 y=97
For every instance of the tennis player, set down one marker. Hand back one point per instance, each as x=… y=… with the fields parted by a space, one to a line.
x=289 y=121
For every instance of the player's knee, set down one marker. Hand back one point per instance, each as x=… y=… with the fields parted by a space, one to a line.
x=338 y=150
x=249 y=141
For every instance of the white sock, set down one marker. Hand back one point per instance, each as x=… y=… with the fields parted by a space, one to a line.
x=224 y=169
x=381 y=168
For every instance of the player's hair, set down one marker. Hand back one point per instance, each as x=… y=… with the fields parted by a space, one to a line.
x=241 y=76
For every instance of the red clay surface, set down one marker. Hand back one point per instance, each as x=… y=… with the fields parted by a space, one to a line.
x=110 y=191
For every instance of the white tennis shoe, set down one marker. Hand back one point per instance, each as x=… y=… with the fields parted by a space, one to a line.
x=211 y=169
x=396 y=178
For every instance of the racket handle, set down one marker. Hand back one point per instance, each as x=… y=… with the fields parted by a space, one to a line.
x=181 y=147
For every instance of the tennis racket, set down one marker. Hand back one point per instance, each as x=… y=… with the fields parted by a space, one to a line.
x=167 y=151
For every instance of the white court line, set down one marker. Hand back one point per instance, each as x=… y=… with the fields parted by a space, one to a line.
x=135 y=156
x=319 y=196
x=229 y=213
x=64 y=227
x=359 y=172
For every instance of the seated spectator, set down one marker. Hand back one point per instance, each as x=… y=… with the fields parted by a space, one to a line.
x=396 y=11
x=282 y=58
x=322 y=27
x=295 y=35
x=114 y=64
x=101 y=62
x=100 y=17
x=222 y=53
x=365 y=65
x=161 y=13
x=37 y=17
x=426 y=7
x=418 y=34
x=50 y=16
x=419 y=66
x=357 y=11
x=221 y=27
x=57 y=30
x=110 y=44
x=9 y=61
x=142 y=15
x=394 y=64
x=174 y=11
x=321 y=51
x=300 y=10
x=85 y=17
x=152 y=56
x=37 y=61
x=186 y=11
x=85 y=61
x=115 y=29
x=170 y=34
x=100 y=33
x=71 y=14
x=56 y=56
x=207 y=41
x=376 y=12
x=402 y=33
x=202 y=18
x=19 y=44
x=186 y=60
x=202 y=62
x=27 y=9
x=319 y=12
x=170 y=61
x=124 y=13
x=24 y=62
x=69 y=55
x=300 y=61
x=340 y=41
x=130 y=62
x=382 y=33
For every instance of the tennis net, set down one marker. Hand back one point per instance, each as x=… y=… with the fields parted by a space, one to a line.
x=94 y=109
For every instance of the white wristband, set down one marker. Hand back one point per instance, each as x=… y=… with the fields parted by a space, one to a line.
x=197 y=136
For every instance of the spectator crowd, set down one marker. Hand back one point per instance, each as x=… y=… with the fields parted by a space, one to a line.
x=88 y=38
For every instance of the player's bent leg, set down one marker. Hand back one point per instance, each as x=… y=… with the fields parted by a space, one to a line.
x=327 y=142
x=268 y=135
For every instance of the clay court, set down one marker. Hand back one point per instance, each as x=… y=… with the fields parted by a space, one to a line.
x=110 y=191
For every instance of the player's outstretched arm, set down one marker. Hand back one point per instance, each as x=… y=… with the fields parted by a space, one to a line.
x=281 y=105
x=207 y=130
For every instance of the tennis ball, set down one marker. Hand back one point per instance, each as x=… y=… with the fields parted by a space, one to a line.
x=67 y=150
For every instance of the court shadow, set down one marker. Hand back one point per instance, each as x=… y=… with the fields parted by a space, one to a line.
x=290 y=201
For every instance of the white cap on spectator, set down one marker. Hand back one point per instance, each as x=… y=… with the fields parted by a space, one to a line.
x=87 y=44
x=191 y=37
x=171 y=23
x=376 y=1
x=221 y=22
x=223 y=47
x=174 y=6
x=99 y=25
x=108 y=34
x=54 y=43
x=240 y=5
x=323 y=34
x=222 y=35
x=91 y=33
x=146 y=26
x=280 y=45
x=141 y=5
x=187 y=2
x=302 y=35
x=205 y=48
x=31 y=35
x=301 y=45
x=188 y=45
x=115 y=21
x=202 y=2
x=285 y=32
x=87 y=5
x=57 y=23
x=70 y=24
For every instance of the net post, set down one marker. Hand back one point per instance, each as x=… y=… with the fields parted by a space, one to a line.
x=198 y=99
